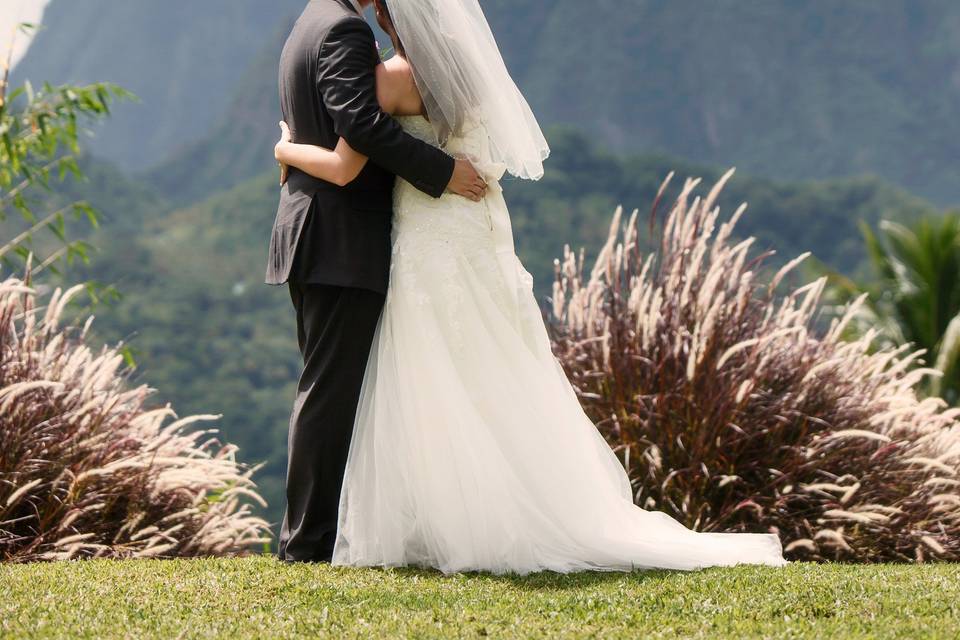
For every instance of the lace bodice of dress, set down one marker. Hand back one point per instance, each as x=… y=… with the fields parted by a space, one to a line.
x=449 y=215
x=472 y=142
x=430 y=235
x=418 y=127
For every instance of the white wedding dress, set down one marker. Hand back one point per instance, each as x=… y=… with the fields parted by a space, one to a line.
x=470 y=449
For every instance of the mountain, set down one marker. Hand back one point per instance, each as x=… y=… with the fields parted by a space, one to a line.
x=183 y=59
x=239 y=145
x=792 y=90
x=813 y=89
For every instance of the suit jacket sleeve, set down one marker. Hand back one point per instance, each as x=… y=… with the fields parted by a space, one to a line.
x=347 y=85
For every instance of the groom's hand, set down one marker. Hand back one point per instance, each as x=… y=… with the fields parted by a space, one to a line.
x=466 y=182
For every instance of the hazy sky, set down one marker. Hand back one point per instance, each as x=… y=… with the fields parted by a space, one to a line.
x=13 y=12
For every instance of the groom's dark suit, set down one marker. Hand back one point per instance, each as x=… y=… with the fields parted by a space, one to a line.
x=332 y=246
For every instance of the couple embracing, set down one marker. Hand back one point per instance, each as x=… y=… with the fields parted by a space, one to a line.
x=432 y=425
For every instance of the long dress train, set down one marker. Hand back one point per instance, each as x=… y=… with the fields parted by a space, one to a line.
x=470 y=449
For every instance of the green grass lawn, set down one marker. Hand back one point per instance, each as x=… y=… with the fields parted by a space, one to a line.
x=260 y=597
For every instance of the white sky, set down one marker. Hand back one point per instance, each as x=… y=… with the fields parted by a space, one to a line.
x=12 y=13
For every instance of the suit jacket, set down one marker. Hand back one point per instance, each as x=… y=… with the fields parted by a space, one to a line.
x=325 y=233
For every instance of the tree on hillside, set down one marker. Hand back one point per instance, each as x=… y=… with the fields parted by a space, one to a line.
x=914 y=297
x=39 y=140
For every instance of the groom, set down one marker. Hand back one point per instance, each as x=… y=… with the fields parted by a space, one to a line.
x=332 y=246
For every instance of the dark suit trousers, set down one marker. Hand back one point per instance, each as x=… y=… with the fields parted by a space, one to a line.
x=335 y=327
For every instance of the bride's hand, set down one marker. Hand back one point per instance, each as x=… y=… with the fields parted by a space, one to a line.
x=285 y=139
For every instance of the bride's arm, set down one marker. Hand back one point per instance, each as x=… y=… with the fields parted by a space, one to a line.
x=340 y=166
x=397 y=94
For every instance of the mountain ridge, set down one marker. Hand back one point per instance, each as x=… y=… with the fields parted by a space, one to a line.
x=183 y=59
x=786 y=90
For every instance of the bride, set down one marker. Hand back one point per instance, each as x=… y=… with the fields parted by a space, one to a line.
x=470 y=450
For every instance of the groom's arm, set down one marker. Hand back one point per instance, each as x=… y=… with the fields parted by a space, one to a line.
x=347 y=84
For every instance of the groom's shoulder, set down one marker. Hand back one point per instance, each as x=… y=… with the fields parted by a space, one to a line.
x=349 y=30
x=327 y=25
x=328 y=14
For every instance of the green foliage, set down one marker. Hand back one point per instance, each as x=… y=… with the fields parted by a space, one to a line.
x=914 y=293
x=258 y=597
x=39 y=140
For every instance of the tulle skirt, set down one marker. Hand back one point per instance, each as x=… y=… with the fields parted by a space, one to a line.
x=471 y=451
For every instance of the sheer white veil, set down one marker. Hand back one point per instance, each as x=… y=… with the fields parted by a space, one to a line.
x=460 y=73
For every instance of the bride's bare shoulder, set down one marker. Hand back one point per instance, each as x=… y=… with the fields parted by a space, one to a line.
x=396 y=88
x=399 y=66
x=397 y=74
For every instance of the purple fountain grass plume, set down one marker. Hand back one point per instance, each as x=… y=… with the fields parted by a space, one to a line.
x=732 y=412
x=86 y=470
